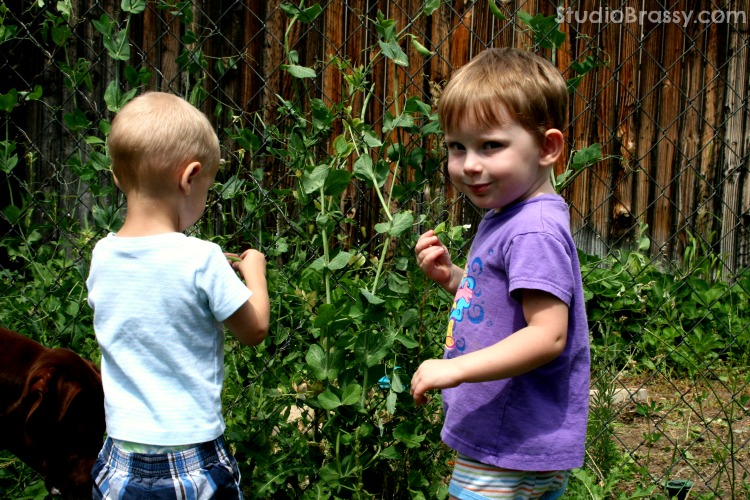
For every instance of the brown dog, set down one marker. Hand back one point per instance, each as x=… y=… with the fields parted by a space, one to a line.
x=51 y=412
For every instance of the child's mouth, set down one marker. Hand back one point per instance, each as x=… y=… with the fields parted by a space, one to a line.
x=478 y=189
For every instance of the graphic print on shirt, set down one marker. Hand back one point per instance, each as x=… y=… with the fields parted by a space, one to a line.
x=464 y=308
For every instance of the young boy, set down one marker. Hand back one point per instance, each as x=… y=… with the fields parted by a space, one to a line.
x=515 y=375
x=159 y=298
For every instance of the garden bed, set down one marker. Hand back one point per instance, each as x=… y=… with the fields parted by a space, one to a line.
x=687 y=430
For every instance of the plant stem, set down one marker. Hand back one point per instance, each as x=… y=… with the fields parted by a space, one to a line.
x=326 y=253
x=386 y=244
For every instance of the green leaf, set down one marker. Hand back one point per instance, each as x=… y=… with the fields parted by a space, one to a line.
x=392 y=50
x=390 y=402
x=587 y=156
x=404 y=120
x=76 y=120
x=35 y=94
x=371 y=139
x=362 y=168
x=342 y=147
x=415 y=105
x=61 y=33
x=396 y=384
x=407 y=342
x=326 y=316
x=118 y=46
x=313 y=181
x=431 y=6
x=99 y=161
x=340 y=261
x=329 y=474
x=383 y=227
x=104 y=25
x=351 y=394
x=12 y=213
x=299 y=71
x=115 y=99
x=372 y=346
x=545 y=29
x=8 y=160
x=133 y=6
x=401 y=222
x=328 y=400
x=9 y=101
x=406 y=433
x=372 y=299
x=307 y=15
x=324 y=367
x=391 y=453
x=337 y=182
x=232 y=188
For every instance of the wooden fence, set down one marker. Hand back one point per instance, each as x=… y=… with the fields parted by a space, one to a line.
x=667 y=100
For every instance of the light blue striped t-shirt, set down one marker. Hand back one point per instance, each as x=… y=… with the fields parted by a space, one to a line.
x=158 y=306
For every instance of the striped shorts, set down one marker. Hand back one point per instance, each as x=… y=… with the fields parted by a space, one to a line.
x=474 y=480
x=206 y=471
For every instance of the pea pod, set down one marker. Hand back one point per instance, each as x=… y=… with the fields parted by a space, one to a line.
x=420 y=48
x=496 y=11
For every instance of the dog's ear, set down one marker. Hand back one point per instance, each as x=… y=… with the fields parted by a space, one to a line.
x=45 y=382
x=67 y=390
x=36 y=388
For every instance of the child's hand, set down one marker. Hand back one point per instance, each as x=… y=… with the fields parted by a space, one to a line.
x=434 y=259
x=249 y=261
x=433 y=374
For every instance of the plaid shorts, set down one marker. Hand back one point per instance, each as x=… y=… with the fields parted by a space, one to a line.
x=474 y=480
x=206 y=471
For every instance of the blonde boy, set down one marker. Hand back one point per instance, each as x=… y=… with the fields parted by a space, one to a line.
x=515 y=375
x=159 y=299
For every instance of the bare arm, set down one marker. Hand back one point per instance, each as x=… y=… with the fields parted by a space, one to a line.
x=538 y=343
x=249 y=324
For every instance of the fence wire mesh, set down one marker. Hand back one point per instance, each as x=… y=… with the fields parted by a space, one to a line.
x=660 y=213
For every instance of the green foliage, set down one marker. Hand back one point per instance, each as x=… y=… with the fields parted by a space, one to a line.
x=348 y=308
x=681 y=321
x=322 y=408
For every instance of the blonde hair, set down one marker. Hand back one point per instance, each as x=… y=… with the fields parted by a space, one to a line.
x=154 y=135
x=527 y=87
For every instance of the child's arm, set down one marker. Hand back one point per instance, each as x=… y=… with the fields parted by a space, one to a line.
x=541 y=341
x=435 y=260
x=249 y=324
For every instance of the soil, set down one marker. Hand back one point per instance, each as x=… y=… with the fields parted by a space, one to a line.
x=694 y=430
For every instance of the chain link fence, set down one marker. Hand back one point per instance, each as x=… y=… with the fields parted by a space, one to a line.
x=656 y=177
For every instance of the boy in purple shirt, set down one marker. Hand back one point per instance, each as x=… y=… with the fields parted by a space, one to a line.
x=515 y=375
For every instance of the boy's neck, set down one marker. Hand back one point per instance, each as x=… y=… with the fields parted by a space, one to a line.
x=148 y=217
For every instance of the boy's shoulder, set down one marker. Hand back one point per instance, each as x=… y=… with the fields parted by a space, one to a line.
x=178 y=243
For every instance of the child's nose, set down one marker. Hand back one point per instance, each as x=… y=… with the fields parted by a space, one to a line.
x=472 y=163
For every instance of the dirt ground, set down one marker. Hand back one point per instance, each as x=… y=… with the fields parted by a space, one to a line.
x=695 y=430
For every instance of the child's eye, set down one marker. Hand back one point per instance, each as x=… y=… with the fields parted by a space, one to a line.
x=455 y=146
x=492 y=145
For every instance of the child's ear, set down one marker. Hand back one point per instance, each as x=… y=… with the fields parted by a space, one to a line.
x=189 y=173
x=552 y=147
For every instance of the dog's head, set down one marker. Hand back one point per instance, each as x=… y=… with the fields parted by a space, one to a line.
x=63 y=407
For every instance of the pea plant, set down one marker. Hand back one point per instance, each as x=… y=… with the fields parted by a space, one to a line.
x=334 y=417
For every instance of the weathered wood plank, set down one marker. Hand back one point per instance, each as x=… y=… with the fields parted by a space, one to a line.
x=735 y=145
x=626 y=75
x=669 y=104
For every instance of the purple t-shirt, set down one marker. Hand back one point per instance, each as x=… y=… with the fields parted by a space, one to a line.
x=535 y=421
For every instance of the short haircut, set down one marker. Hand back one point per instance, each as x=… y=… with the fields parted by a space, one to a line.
x=527 y=87
x=154 y=135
